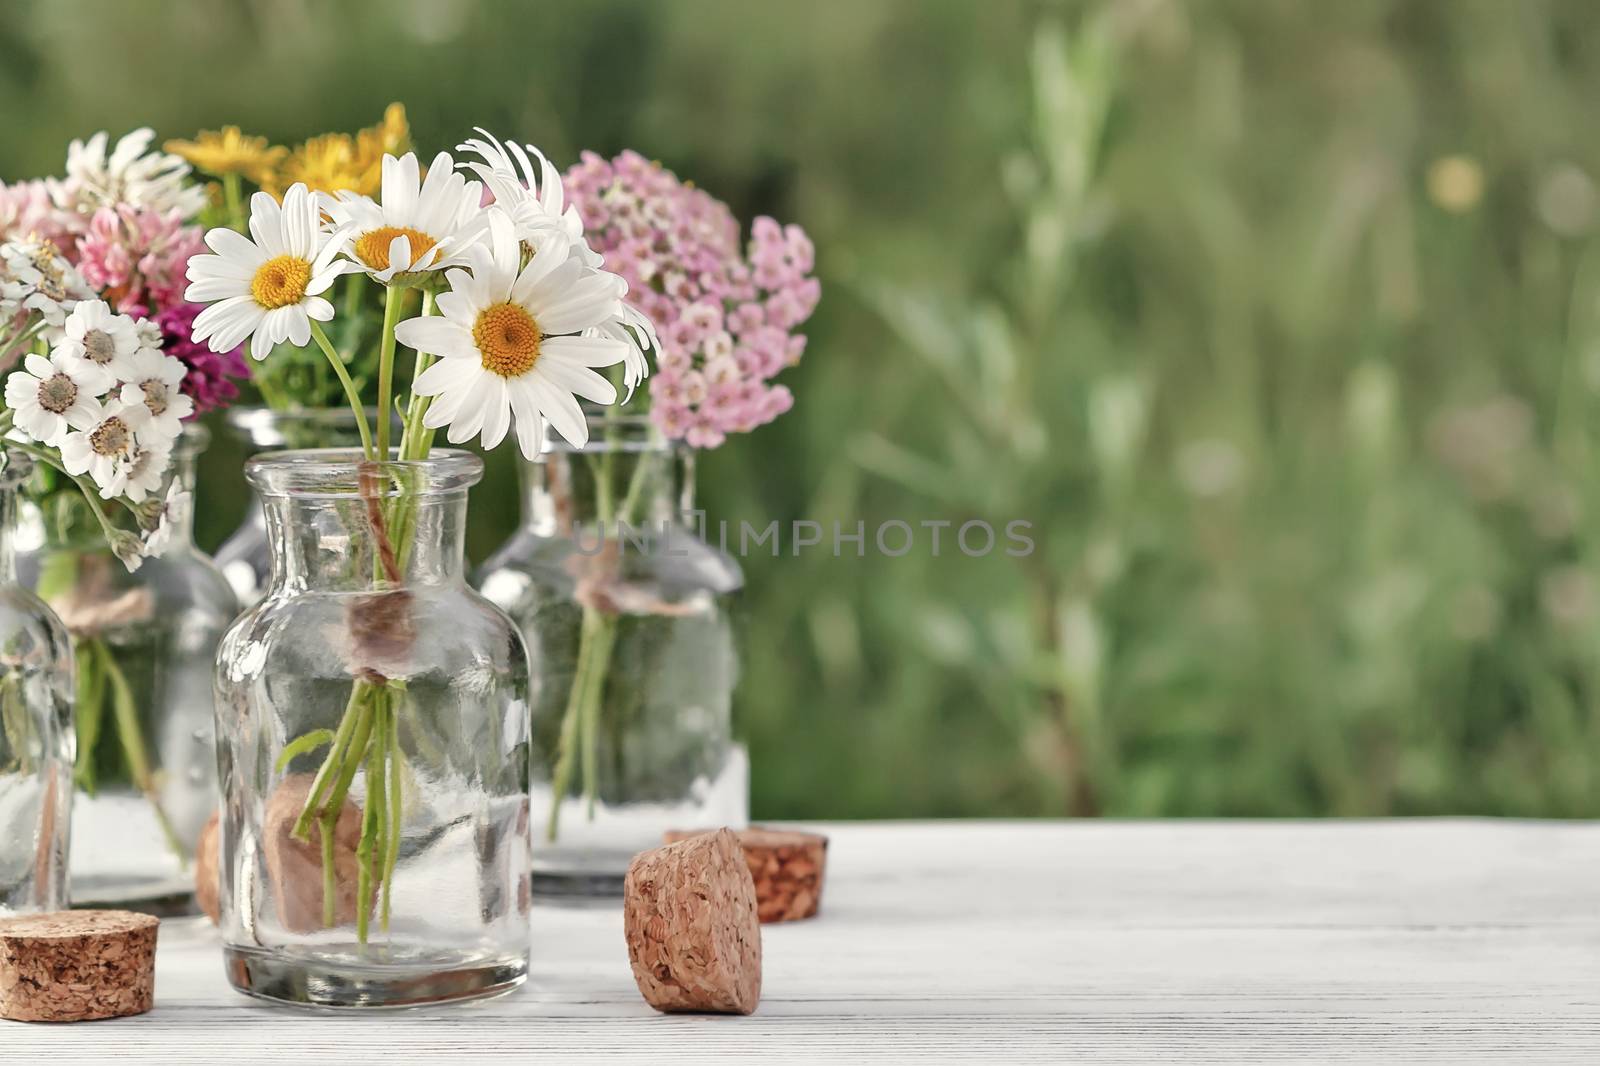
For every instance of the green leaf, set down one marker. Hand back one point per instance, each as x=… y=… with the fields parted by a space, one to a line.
x=306 y=742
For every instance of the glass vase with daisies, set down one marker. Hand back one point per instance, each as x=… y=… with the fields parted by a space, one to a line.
x=103 y=384
x=624 y=604
x=372 y=708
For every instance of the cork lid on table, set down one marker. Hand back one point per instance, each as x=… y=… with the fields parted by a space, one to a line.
x=74 y=966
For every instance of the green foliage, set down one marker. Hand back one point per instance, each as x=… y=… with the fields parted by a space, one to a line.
x=1278 y=321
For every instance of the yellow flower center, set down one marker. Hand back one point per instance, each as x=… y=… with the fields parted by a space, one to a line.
x=280 y=282
x=373 y=245
x=508 y=340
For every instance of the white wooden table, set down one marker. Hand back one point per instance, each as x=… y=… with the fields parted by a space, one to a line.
x=1412 y=941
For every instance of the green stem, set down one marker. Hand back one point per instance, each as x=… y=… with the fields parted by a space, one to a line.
x=580 y=725
x=567 y=745
x=233 y=200
x=391 y=317
x=125 y=713
x=330 y=766
x=375 y=818
x=330 y=881
x=411 y=432
x=391 y=857
x=605 y=634
x=350 y=391
x=335 y=805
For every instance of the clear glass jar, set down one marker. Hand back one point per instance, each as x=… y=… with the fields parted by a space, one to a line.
x=245 y=558
x=35 y=728
x=372 y=722
x=144 y=644
x=625 y=611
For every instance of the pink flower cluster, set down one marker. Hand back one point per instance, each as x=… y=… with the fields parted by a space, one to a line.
x=209 y=381
x=137 y=257
x=727 y=317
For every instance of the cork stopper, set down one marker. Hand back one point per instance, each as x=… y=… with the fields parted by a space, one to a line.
x=208 y=869
x=787 y=866
x=689 y=915
x=77 y=966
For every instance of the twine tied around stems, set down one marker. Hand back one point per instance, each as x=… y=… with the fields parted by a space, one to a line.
x=598 y=585
x=382 y=627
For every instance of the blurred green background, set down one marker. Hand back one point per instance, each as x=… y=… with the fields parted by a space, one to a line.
x=1279 y=320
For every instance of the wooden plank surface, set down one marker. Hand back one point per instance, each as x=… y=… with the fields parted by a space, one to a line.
x=1401 y=941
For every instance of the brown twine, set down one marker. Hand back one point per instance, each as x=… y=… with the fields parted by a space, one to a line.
x=371 y=484
x=382 y=628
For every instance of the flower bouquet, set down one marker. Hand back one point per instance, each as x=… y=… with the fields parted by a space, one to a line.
x=293 y=399
x=103 y=380
x=372 y=708
x=625 y=607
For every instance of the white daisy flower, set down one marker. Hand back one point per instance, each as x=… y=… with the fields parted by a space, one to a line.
x=51 y=396
x=97 y=338
x=536 y=203
x=98 y=450
x=34 y=277
x=153 y=379
x=633 y=328
x=423 y=224
x=266 y=287
x=534 y=199
x=509 y=343
x=128 y=175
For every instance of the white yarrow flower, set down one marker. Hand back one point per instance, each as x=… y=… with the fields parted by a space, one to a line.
x=153 y=380
x=97 y=338
x=50 y=397
x=143 y=474
x=127 y=175
x=99 y=450
x=34 y=277
x=421 y=225
x=266 y=287
x=510 y=344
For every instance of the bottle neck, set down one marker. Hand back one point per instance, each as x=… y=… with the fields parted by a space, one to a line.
x=565 y=491
x=355 y=545
x=261 y=429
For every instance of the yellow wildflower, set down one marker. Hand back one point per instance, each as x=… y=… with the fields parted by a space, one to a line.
x=325 y=164
x=230 y=151
x=392 y=136
x=335 y=162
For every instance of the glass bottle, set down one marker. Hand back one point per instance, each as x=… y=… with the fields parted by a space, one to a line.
x=35 y=728
x=143 y=645
x=373 y=743
x=626 y=615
